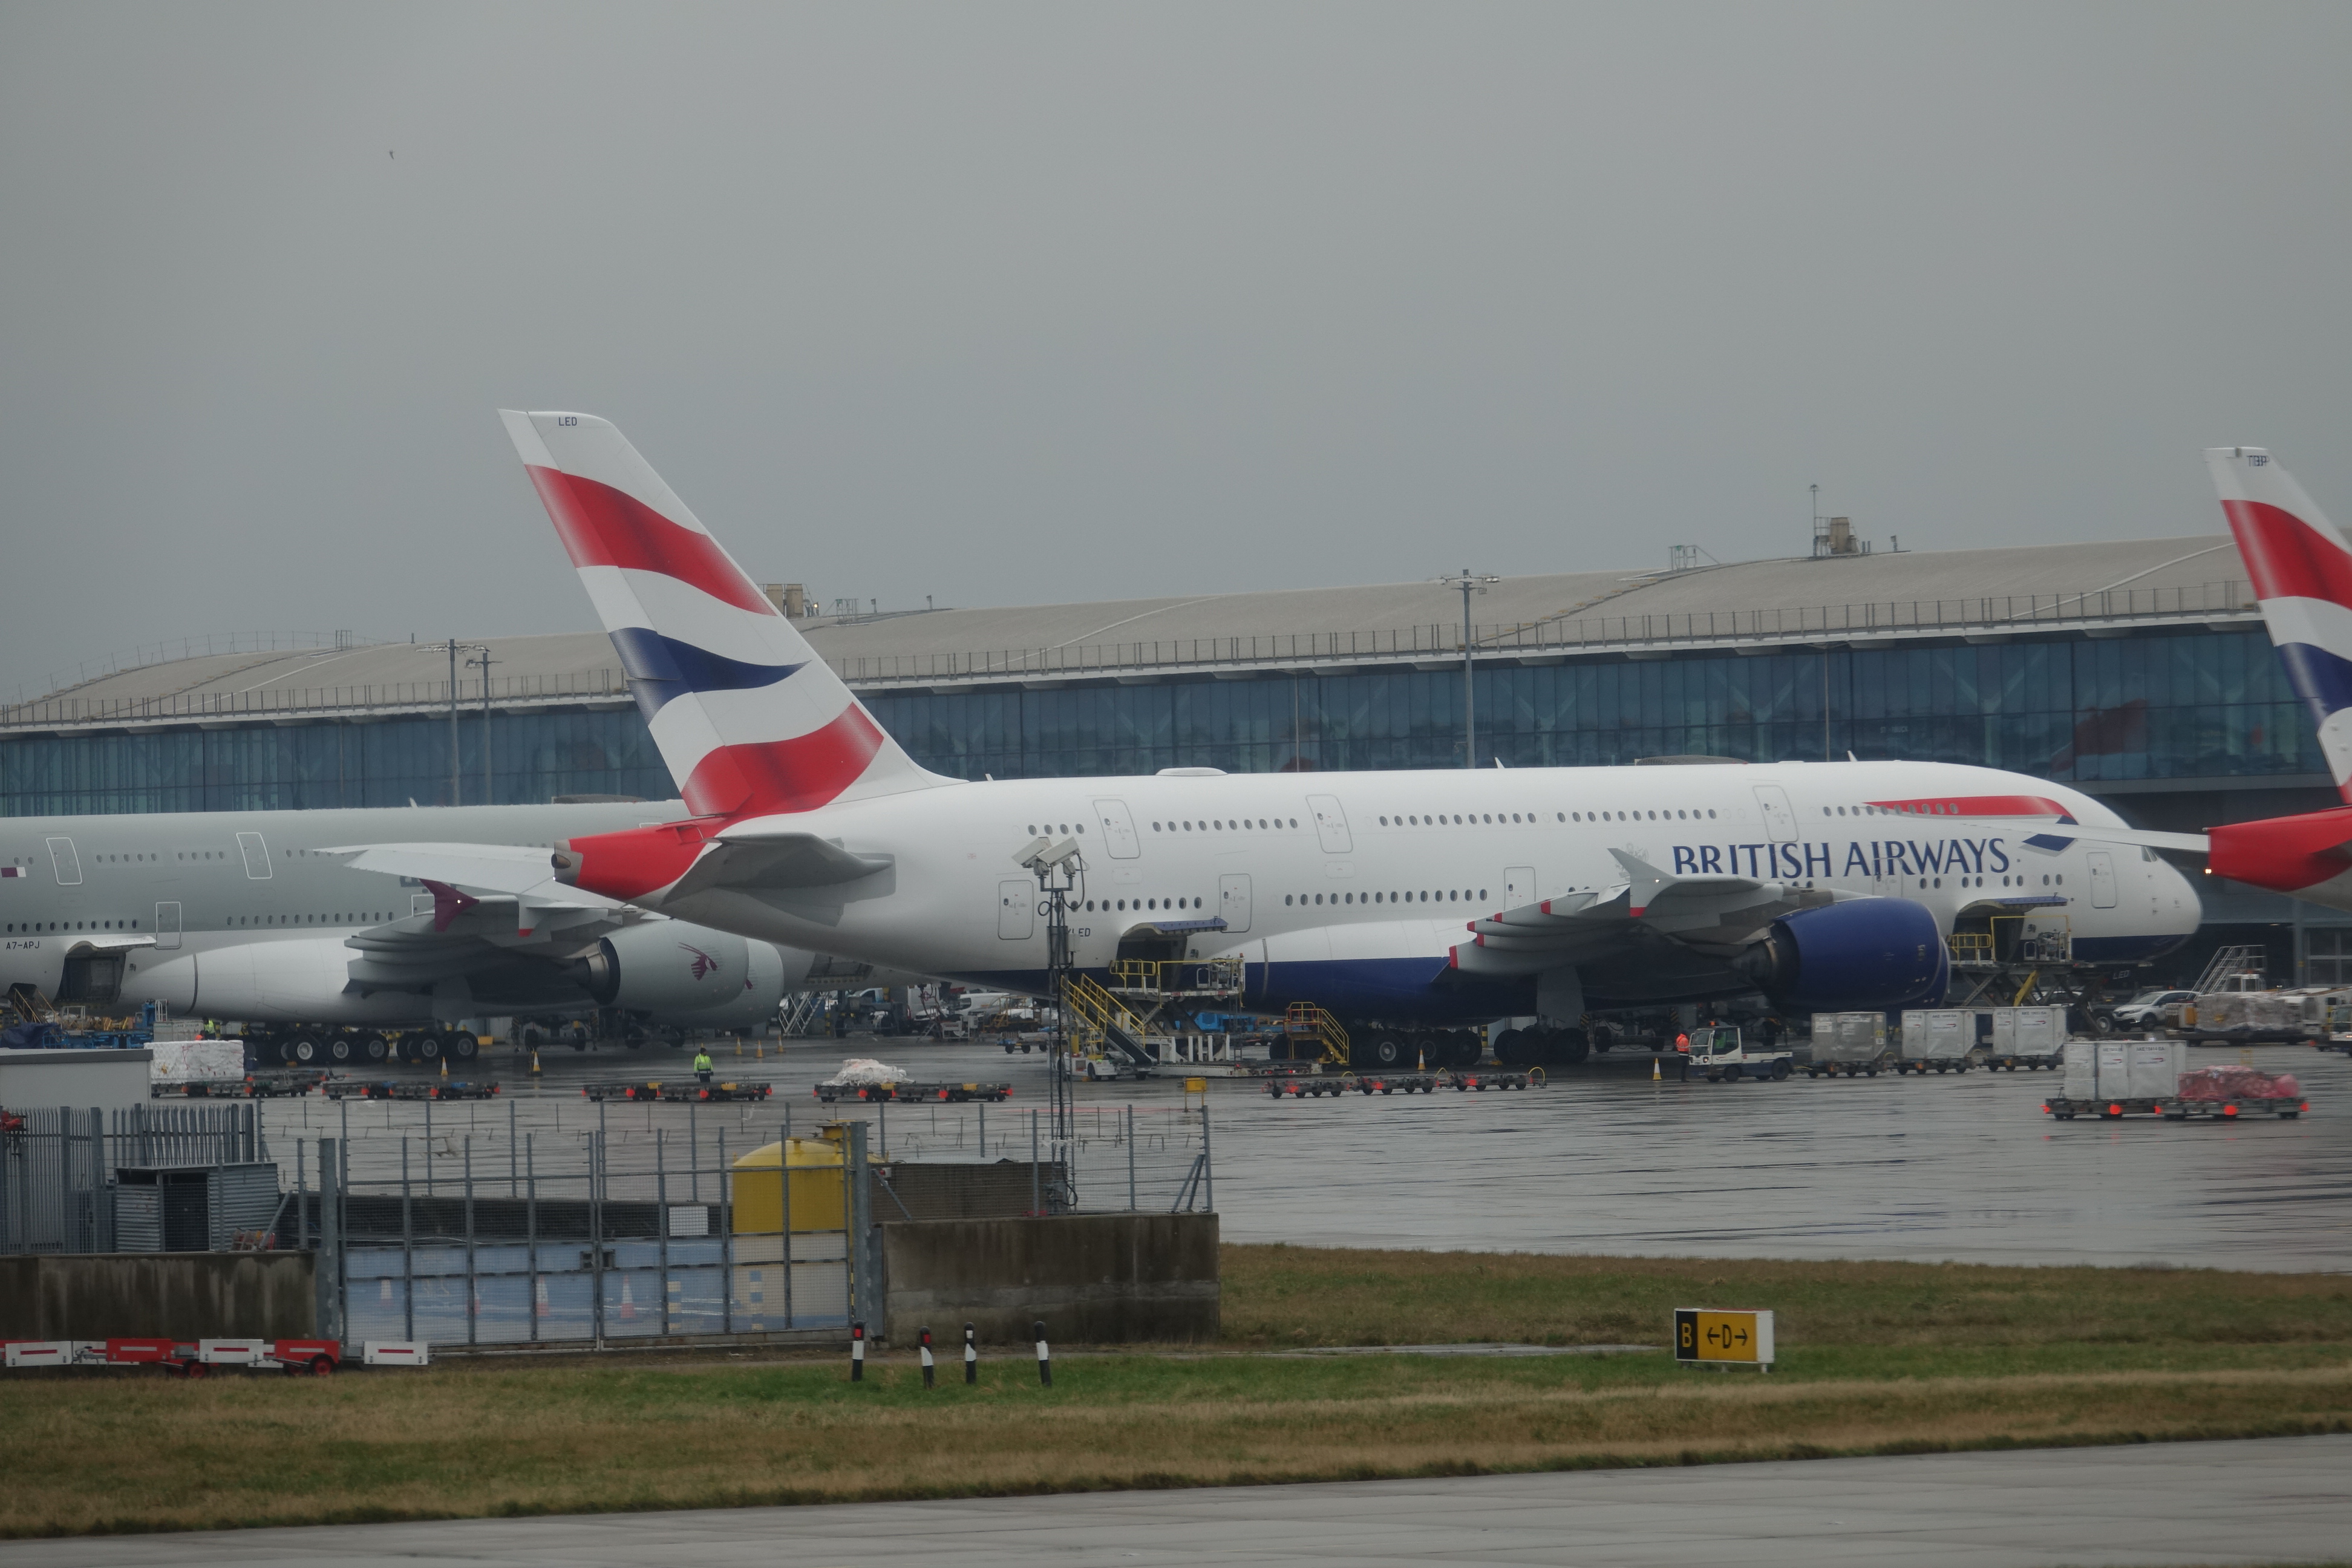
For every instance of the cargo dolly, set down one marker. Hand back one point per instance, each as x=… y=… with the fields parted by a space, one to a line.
x=2284 y=1108
x=196 y=1358
x=252 y=1086
x=398 y=1089
x=951 y=1093
x=1306 y=1088
x=675 y=1091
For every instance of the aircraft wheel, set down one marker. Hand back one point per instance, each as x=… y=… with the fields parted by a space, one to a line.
x=303 y=1049
x=1511 y=1046
x=426 y=1047
x=1388 y=1051
x=465 y=1047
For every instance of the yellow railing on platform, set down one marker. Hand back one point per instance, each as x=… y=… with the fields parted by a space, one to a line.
x=1306 y=1021
x=1178 y=975
x=1093 y=1009
x=1971 y=947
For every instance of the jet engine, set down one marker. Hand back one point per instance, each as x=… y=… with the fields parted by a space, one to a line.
x=1853 y=955
x=670 y=969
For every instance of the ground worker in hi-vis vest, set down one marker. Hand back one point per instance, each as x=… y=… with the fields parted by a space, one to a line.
x=702 y=1063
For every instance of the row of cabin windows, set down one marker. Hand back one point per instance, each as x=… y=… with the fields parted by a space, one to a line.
x=1444 y=896
x=14 y=926
x=73 y=925
x=1142 y=904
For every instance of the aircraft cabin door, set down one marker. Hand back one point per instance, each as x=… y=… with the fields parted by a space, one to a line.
x=1780 y=820
x=1119 y=829
x=256 y=850
x=167 y=926
x=1331 y=823
x=1234 y=903
x=1518 y=886
x=1016 y=909
x=2103 y=879
x=65 y=862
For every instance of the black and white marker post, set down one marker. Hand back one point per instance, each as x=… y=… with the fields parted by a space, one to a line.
x=1044 y=1356
x=970 y=1356
x=923 y=1336
x=857 y=1353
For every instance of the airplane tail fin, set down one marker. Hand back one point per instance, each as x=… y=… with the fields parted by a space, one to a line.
x=747 y=718
x=2302 y=571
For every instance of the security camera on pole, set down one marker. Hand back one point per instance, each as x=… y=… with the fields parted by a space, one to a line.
x=1061 y=874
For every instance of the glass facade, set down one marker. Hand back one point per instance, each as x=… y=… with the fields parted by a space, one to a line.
x=386 y=762
x=2197 y=705
x=2205 y=705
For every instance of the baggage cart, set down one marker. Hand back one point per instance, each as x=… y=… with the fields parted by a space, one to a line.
x=1937 y=1039
x=2028 y=1037
x=1848 y=1044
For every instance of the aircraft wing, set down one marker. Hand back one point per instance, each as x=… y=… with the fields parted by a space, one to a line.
x=490 y=902
x=1714 y=915
x=754 y=857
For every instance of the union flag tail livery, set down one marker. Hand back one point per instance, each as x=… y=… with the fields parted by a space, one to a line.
x=2302 y=571
x=748 y=719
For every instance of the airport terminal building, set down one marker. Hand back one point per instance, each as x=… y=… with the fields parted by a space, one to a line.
x=2135 y=670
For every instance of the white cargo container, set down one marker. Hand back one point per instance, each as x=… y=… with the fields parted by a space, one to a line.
x=2028 y=1036
x=196 y=1061
x=1847 y=1042
x=2082 y=1072
x=2116 y=1082
x=2155 y=1070
x=1938 y=1037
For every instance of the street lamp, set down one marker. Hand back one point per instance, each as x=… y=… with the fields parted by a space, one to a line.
x=1468 y=584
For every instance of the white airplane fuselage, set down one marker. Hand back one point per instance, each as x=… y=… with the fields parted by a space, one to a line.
x=1351 y=889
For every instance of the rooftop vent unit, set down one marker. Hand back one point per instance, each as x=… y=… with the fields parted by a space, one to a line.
x=1834 y=536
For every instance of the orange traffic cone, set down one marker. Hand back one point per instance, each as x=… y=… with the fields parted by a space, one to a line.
x=1655 y=1076
x=445 y=1066
x=628 y=1302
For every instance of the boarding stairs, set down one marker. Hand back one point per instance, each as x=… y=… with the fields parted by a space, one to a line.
x=801 y=1013
x=1308 y=1023
x=1099 y=1018
x=2248 y=959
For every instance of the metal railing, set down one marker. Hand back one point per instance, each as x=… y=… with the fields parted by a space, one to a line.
x=1563 y=634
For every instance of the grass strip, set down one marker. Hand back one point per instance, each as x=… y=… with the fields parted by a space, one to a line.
x=1877 y=1359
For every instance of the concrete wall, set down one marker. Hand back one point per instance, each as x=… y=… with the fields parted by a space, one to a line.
x=187 y=1295
x=1094 y=1278
x=44 y=1080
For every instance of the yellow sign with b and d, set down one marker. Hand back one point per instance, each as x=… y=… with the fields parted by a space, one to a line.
x=1742 y=1339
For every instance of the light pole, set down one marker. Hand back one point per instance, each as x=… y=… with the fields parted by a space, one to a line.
x=455 y=796
x=1061 y=872
x=482 y=661
x=1469 y=585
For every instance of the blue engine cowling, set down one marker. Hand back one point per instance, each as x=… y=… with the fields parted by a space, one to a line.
x=1851 y=956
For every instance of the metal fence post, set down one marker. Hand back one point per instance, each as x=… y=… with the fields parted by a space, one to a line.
x=596 y=1228
x=1036 y=1176
x=327 y=1279
x=408 y=1252
x=863 y=1276
x=726 y=1233
x=785 y=1207
x=1208 y=1165
x=514 y=1155
x=661 y=1225
x=473 y=1296
x=301 y=1201
x=1130 y=1159
x=530 y=1227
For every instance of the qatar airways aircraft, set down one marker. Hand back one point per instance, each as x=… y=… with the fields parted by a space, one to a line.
x=239 y=915
x=1394 y=900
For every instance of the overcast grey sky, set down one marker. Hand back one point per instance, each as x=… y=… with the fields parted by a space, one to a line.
x=1009 y=303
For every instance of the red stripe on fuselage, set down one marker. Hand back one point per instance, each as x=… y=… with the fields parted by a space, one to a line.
x=599 y=526
x=2286 y=557
x=1974 y=806
x=799 y=774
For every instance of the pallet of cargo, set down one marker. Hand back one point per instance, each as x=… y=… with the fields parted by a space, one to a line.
x=2284 y=1108
x=407 y=1089
x=953 y=1093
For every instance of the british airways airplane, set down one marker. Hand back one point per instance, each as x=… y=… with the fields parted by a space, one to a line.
x=1392 y=900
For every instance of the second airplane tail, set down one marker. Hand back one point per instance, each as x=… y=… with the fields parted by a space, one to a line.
x=747 y=718
x=2302 y=571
